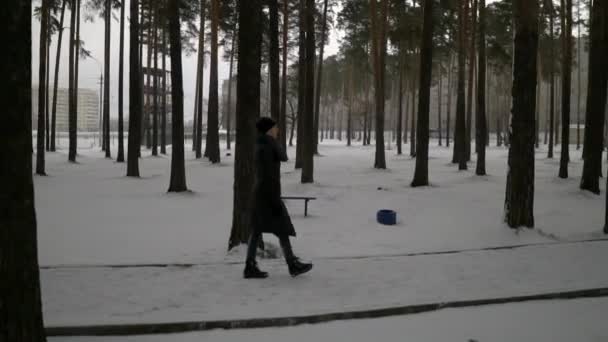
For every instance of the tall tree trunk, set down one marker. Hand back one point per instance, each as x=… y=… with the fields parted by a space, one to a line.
x=135 y=92
x=197 y=94
x=106 y=78
x=155 y=81
x=400 y=100
x=596 y=98
x=121 y=64
x=519 y=201
x=480 y=109
x=229 y=104
x=44 y=30
x=178 y=167
x=47 y=89
x=78 y=48
x=142 y=98
x=163 y=124
x=56 y=81
x=71 y=110
x=247 y=112
x=449 y=104
x=421 y=173
x=283 y=114
x=439 y=95
x=378 y=26
x=460 y=127
x=413 y=119
x=301 y=83
x=566 y=13
x=552 y=85
x=148 y=87
x=274 y=63
x=578 y=78
x=213 y=139
x=199 y=111
x=309 y=119
x=471 y=80
x=20 y=299
x=349 y=100
x=319 y=78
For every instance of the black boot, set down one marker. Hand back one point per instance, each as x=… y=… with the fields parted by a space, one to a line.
x=293 y=263
x=253 y=272
x=296 y=267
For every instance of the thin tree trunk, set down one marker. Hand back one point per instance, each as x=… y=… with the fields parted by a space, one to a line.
x=480 y=109
x=247 y=112
x=471 y=81
x=20 y=298
x=449 y=104
x=378 y=29
x=47 y=89
x=135 y=92
x=566 y=11
x=578 y=78
x=552 y=85
x=56 y=82
x=309 y=115
x=319 y=79
x=400 y=101
x=274 y=63
x=460 y=138
x=421 y=173
x=283 y=114
x=229 y=104
x=121 y=148
x=439 y=95
x=106 y=78
x=519 y=201
x=163 y=128
x=199 y=112
x=197 y=94
x=148 y=88
x=41 y=85
x=596 y=98
x=155 y=81
x=178 y=168
x=213 y=139
x=301 y=83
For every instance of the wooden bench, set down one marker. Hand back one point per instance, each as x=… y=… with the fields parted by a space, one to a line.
x=301 y=198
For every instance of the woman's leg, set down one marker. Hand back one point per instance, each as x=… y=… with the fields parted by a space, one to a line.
x=252 y=248
x=287 y=249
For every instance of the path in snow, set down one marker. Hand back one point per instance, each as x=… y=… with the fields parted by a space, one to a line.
x=133 y=295
x=581 y=320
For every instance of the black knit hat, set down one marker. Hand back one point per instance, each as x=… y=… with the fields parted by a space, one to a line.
x=265 y=124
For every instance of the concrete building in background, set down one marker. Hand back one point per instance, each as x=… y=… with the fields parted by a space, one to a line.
x=87 y=112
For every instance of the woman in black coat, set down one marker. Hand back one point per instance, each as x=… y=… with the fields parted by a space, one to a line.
x=269 y=214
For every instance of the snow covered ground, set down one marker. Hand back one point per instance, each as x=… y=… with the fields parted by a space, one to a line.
x=91 y=214
x=556 y=321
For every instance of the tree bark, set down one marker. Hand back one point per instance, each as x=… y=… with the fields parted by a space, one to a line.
x=460 y=127
x=309 y=126
x=274 y=64
x=480 y=109
x=596 y=98
x=41 y=85
x=229 y=104
x=247 y=112
x=178 y=168
x=163 y=124
x=106 y=78
x=155 y=113
x=421 y=173
x=213 y=139
x=301 y=83
x=135 y=93
x=319 y=79
x=283 y=114
x=56 y=82
x=552 y=84
x=566 y=13
x=471 y=80
x=20 y=298
x=199 y=112
x=439 y=95
x=121 y=56
x=519 y=201
x=378 y=26
x=71 y=110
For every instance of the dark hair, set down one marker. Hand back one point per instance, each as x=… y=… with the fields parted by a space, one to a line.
x=265 y=124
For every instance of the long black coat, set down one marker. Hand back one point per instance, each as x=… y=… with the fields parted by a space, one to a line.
x=269 y=214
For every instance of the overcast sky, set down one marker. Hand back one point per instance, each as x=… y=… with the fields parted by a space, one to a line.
x=92 y=33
